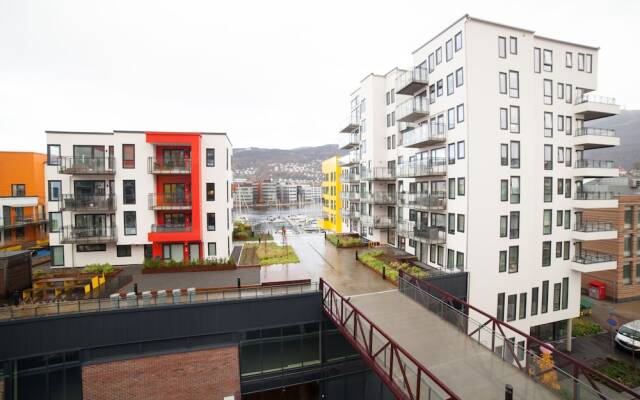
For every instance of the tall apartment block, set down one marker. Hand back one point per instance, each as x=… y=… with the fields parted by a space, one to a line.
x=331 y=196
x=123 y=196
x=23 y=223
x=473 y=160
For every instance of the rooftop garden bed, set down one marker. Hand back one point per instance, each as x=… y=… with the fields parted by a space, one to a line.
x=244 y=232
x=157 y=265
x=345 y=241
x=621 y=372
x=383 y=263
x=267 y=253
x=585 y=326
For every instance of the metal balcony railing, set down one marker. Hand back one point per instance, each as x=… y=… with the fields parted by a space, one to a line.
x=424 y=201
x=593 y=226
x=428 y=167
x=352 y=158
x=425 y=234
x=589 y=131
x=160 y=228
x=351 y=178
x=379 y=198
x=169 y=201
x=18 y=221
x=71 y=202
x=425 y=135
x=350 y=213
x=169 y=165
x=412 y=81
x=349 y=141
x=378 y=222
x=87 y=165
x=352 y=124
x=412 y=109
x=593 y=257
x=378 y=173
x=595 y=164
x=591 y=98
x=595 y=195
x=88 y=234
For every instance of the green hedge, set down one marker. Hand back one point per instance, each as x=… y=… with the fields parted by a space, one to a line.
x=392 y=269
x=98 y=268
x=157 y=262
x=344 y=240
x=584 y=327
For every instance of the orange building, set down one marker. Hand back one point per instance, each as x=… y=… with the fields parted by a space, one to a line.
x=23 y=222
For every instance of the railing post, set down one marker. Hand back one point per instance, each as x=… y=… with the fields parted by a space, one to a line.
x=493 y=336
x=371 y=340
x=508 y=392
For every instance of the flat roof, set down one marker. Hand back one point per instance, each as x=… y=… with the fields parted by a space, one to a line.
x=132 y=131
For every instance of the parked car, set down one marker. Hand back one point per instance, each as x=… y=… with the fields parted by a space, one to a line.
x=628 y=336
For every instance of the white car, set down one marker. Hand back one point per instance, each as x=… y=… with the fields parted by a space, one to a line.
x=628 y=336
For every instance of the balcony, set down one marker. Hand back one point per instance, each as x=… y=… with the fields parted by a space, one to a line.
x=595 y=169
x=378 y=222
x=591 y=261
x=378 y=174
x=170 y=228
x=17 y=221
x=423 y=201
x=351 y=159
x=590 y=107
x=593 y=230
x=595 y=200
x=352 y=124
x=595 y=138
x=412 y=81
x=82 y=203
x=348 y=142
x=350 y=213
x=88 y=234
x=351 y=178
x=351 y=196
x=87 y=166
x=169 y=201
x=424 y=234
x=412 y=110
x=425 y=135
x=421 y=168
x=379 y=198
x=169 y=166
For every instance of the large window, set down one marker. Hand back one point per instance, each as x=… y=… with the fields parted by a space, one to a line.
x=130 y=224
x=514 y=84
x=504 y=190
x=534 y=301
x=515 y=190
x=55 y=222
x=548 y=189
x=129 y=192
x=460 y=222
x=502 y=261
x=514 y=258
x=123 y=250
x=211 y=221
x=451 y=223
x=57 y=256
x=212 y=249
x=500 y=311
x=546 y=254
x=89 y=248
x=565 y=293
x=522 y=314
x=628 y=217
x=55 y=190
x=461 y=187
x=504 y=222
x=128 y=156
x=452 y=188
x=502 y=47
x=211 y=191
x=511 y=307
x=211 y=157
x=53 y=154
x=451 y=153
x=451 y=118
x=547 y=60
x=504 y=154
x=580 y=62
x=514 y=116
x=557 y=289
x=514 y=224
x=450 y=84
x=515 y=154
x=548 y=157
x=548 y=124
x=18 y=190
x=548 y=91
x=547 y=217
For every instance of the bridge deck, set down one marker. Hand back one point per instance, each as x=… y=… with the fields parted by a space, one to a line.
x=468 y=369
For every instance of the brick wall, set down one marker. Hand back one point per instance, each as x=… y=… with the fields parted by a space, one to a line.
x=205 y=374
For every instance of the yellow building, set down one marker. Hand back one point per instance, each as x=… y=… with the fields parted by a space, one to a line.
x=331 y=201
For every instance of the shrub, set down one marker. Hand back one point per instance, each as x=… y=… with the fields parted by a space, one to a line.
x=622 y=372
x=584 y=327
x=98 y=268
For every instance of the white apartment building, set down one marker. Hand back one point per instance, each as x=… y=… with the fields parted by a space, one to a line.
x=473 y=160
x=123 y=196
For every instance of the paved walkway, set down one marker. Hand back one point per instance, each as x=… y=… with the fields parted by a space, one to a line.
x=200 y=280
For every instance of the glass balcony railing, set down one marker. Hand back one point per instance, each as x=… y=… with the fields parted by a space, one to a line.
x=594 y=226
x=593 y=257
x=379 y=198
x=427 y=167
x=169 y=201
x=590 y=131
x=595 y=195
x=352 y=158
x=169 y=165
x=86 y=165
x=160 y=228
x=349 y=141
x=17 y=221
x=425 y=135
x=378 y=222
x=352 y=124
x=88 y=234
x=428 y=234
x=595 y=164
x=71 y=202
x=413 y=109
x=424 y=201
x=350 y=178
x=378 y=173
x=591 y=98
x=412 y=81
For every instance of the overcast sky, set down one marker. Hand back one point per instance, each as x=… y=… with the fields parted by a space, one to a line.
x=269 y=73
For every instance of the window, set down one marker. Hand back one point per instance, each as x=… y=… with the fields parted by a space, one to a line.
x=628 y=217
x=500 y=311
x=514 y=255
x=460 y=113
x=461 y=186
x=53 y=154
x=522 y=314
x=511 y=307
x=569 y=94
x=432 y=94
x=388 y=98
x=568 y=59
x=458 y=40
x=588 y=63
x=547 y=86
x=451 y=223
x=432 y=65
x=211 y=249
x=211 y=157
x=451 y=118
x=514 y=84
x=461 y=149
x=57 y=256
x=452 y=188
x=450 y=84
x=55 y=189
x=18 y=190
x=560 y=186
x=565 y=293
x=504 y=221
x=123 y=250
x=393 y=96
x=514 y=224
x=504 y=190
x=211 y=191
x=502 y=261
x=548 y=157
x=438 y=55
x=536 y=60
x=515 y=190
x=130 y=227
x=534 y=301
x=504 y=154
x=514 y=114
x=55 y=222
x=513 y=45
x=449 y=49
x=504 y=118
x=211 y=221
x=567 y=125
x=557 y=289
x=459 y=77
x=129 y=192
x=560 y=123
x=548 y=189
x=88 y=248
x=560 y=91
x=515 y=154
x=460 y=222
x=432 y=251
x=627 y=245
x=440 y=87
x=460 y=260
x=559 y=217
x=545 y=297
x=451 y=259
x=128 y=156
x=580 y=62
x=547 y=60
x=547 y=217
x=502 y=47
x=546 y=254
x=567 y=188
x=558 y=249
x=502 y=82
x=548 y=124
x=451 y=151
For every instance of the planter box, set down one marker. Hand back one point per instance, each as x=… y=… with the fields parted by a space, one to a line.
x=193 y=268
x=393 y=281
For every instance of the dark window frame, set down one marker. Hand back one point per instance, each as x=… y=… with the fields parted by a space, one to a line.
x=128 y=163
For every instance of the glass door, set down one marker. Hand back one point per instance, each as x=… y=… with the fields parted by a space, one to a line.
x=194 y=251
